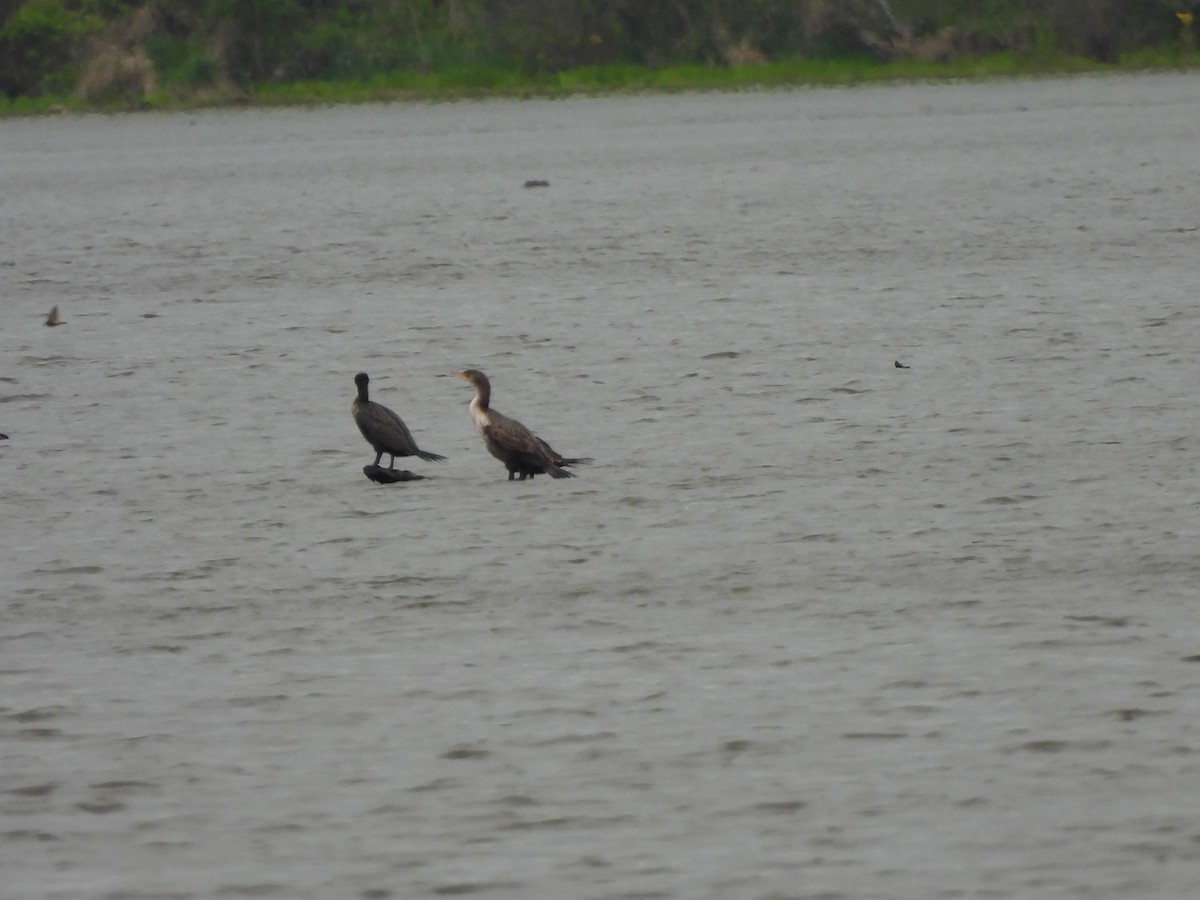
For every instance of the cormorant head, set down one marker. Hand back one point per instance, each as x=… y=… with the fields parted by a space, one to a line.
x=472 y=375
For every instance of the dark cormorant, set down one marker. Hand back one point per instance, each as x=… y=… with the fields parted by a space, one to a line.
x=384 y=430
x=53 y=318
x=522 y=452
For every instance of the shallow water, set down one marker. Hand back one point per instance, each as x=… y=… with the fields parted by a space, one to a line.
x=811 y=626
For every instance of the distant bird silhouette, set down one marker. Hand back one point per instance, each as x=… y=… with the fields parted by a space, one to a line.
x=53 y=318
x=3 y=437
x=537 y=182
x=900 y=365
x=384 y=430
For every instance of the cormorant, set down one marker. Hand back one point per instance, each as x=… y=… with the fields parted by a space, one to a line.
x=522 y=452
x=384 y=430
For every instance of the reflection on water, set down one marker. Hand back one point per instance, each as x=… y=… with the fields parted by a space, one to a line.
x=811 y=625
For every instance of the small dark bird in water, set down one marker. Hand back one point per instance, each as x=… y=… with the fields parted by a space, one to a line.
x=384 y=430
x=3 y=437
x=523 y=453
x=537 y=183
x=53 y=318
x=900 y=365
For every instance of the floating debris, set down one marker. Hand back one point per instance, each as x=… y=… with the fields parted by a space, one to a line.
x=380 y=475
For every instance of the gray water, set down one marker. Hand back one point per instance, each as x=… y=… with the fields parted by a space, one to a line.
x=812 y=626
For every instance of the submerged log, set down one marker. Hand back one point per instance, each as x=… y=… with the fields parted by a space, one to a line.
x=380 y=475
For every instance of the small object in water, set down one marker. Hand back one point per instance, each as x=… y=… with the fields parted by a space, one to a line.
x=537 y=182
x=380 y=475
x=53 y=318
x=900 y=365
x=384 y=430
x=522 y=452
x=3 y=437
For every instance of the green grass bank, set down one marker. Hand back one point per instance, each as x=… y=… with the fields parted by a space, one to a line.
x=110 y=55
x=460 y=84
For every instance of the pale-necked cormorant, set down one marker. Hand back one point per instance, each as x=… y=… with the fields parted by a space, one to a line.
x=384 y=430
x=522 y=452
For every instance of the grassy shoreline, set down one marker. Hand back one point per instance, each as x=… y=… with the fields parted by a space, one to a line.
x=482 y=83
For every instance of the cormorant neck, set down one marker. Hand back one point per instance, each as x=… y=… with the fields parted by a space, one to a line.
x=362 y=393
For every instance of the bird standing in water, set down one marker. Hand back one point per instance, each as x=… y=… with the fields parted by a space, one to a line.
x=522 y=452
x=384 y=430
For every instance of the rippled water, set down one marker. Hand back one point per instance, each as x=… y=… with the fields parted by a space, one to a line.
x=811 y=626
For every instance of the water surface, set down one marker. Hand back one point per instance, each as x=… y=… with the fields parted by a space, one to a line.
x=811 y=626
